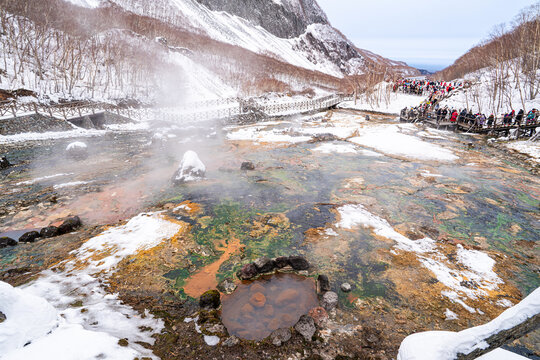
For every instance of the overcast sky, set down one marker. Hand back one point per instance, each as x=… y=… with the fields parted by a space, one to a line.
x=426 y=33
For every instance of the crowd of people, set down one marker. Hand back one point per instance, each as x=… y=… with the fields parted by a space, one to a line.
x=446 y=114
x=425 y=87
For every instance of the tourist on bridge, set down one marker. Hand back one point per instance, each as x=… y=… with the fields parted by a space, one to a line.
x=491 y=120
x=519 y=117
x=454 y=116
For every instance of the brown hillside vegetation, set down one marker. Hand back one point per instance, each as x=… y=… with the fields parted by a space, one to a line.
x=521 y=41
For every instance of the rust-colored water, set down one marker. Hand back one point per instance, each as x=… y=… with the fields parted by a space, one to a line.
x=205 y=279
x=259 y=307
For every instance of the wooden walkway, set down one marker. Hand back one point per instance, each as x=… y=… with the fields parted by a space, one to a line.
x=205 y=110
x=430 y=119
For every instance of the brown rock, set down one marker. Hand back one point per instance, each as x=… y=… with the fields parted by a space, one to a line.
x=258 y=300
x=319 y=315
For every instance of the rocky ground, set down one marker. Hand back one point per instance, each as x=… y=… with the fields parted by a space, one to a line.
x=289 y=201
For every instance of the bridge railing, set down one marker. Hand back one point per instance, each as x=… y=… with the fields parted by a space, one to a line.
x=203 y=110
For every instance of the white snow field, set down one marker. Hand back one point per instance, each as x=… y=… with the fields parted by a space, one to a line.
x=47 y=314
x=446 y=345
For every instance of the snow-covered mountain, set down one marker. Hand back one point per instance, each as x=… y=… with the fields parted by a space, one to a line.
x=198 y=48
x=294 y=31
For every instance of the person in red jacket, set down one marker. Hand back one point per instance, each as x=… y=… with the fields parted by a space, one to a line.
x=454 y=116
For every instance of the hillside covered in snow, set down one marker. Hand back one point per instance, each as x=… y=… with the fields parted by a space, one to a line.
x=175 y=50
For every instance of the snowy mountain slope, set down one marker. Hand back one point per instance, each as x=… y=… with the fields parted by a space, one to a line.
x=295 y=31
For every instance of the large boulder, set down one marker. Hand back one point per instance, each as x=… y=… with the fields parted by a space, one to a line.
x=7 y=241
x=77 y=150
x=298 y=262
x=248 y=271
x=29 y=237
x=49 y=232
x=4 y=163
x=69 y=225
x=264 y=265
x=210 y=299
x=191 y=169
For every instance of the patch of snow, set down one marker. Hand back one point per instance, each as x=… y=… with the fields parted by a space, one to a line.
x=36 y=180
x=86 y=3
x=391 y=141
x=76 y=145
x=504 y=303
x=445 y=345
x=329 y=148
x=529 y=148
x=431 y=257
x=450 y=315
x=106 y=319
x=211 y=340
x=71 y=184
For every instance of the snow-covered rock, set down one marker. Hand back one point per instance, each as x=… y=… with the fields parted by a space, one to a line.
x=191 y=169
x=446 y=345
x=77 y=150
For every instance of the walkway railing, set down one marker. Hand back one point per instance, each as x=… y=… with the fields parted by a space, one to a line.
x=199 y=111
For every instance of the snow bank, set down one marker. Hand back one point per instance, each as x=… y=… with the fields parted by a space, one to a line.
x=529 y=148
x=28 y=318
x=49 y=135
x=94 y=332
x=397 y=101
x=390 y=140
x=445 y=345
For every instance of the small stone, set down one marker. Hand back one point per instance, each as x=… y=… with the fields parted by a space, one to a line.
x=323 y=284
x=306 y=327
x=4 y=163
x=210 y=299
x=329 y=300
x=49 y=232
x=7 y=241
x=123 y=342
x=2 y=317
x=319 y=315
x=280 y=336
x=231 y=341
x=247 y=165
x=29 y=237
x=298 y=262
x=346 y=287
x=69 y=225
x=227 y=286
x=264 y=264
x=258 y=300
x=281 y=262
x=249 y=271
